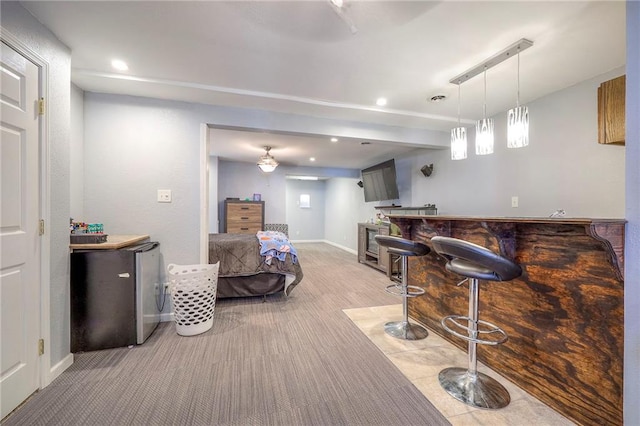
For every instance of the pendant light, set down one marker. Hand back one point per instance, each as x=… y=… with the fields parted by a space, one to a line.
x=484 y=127
x=459 y=137
x=518 y=119
x=267 y=163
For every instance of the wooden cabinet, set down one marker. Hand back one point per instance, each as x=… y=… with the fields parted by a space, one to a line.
x=611 y=110
x=369 y=252
x=243 y=217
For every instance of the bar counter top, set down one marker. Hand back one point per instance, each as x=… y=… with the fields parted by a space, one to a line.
x=564 y=315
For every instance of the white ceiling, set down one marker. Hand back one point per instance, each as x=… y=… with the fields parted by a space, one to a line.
x=301 y=57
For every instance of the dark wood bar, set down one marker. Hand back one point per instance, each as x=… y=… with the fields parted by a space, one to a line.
x=563 y=316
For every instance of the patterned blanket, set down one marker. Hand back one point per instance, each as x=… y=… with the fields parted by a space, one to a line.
x=275 y=244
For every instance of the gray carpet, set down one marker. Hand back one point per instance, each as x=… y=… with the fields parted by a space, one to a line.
x=288 y=361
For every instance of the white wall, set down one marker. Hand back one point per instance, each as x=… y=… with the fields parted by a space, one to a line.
x=76 y=151
x=19 y=23
x=632 y=214
x=563 y=167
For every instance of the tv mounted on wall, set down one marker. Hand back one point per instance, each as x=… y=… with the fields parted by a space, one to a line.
x=379 y=182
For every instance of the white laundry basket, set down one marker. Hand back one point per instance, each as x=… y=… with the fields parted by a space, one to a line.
x=193 y=295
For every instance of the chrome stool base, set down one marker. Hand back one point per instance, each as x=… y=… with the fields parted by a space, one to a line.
x=405 y=330
x=479 y=390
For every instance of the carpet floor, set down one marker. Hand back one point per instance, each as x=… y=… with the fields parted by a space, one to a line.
x=296 y=360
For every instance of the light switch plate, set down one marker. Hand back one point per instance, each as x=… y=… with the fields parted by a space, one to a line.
x=164 y=195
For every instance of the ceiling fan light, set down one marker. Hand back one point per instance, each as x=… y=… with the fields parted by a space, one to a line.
x=484 y=136
x=267 y=163
x=458 y=143
x=518 y=127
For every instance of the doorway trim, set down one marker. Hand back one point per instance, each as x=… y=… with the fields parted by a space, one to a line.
x=44 y=362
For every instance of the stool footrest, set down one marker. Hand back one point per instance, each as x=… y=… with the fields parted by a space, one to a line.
x=397 y=290
x=498 y=334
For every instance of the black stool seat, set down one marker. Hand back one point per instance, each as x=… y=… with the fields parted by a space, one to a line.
x=475 y=263
x=401 y=246
x=405 y=249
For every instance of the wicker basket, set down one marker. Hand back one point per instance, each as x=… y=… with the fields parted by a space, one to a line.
x=193 y=295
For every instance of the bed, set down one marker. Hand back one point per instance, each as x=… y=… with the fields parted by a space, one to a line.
x=244 y=272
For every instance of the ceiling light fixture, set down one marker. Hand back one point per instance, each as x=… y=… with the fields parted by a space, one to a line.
x=267 y=163
x=484 y=127
x=334 y=139
x=518 y=119
x=119 y=65
x=381 y=101
x=459 y=138
x=518 y=115
x=312 y=158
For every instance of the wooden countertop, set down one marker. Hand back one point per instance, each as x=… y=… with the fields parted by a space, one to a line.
x=561 y=220
x=113 y=242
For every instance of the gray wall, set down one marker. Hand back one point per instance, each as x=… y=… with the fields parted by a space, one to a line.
x=563 y=167
x=345 y=208
x=632 y=214
x=18 y=22
x=76 y=151
x=306 y=223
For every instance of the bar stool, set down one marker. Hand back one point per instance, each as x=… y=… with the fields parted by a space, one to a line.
x=475 y=263
x=404 y=248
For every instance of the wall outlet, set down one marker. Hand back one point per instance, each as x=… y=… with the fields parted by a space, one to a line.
x=164 y=195
x=514 y=201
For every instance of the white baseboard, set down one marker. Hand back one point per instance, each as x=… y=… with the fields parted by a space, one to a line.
x=166 y=317
x=59 y=368
x=327 y=242
x=331 y=243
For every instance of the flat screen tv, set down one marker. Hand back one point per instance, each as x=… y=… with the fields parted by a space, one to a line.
x=379 y=182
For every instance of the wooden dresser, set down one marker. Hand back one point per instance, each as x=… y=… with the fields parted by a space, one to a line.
x=243 y=217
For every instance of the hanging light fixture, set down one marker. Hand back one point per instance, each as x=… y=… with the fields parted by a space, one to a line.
x=267 y=163
x=484 y=127
x=459 y=137
x=518 y=119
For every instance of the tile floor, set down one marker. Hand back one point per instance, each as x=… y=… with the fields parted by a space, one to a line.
x=422 y=360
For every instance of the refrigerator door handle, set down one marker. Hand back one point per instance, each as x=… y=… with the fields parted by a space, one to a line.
x=124 y=275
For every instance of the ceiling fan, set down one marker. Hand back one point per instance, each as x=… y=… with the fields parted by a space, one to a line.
x=340 y=7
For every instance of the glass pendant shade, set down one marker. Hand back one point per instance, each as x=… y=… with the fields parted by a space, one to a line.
x=458 y=143
x=267 y=163
x=484 y=136
x=518 y=127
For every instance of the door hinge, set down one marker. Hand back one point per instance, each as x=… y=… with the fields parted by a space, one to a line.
x=41 y=106
x=41 y=226
x=41 y=347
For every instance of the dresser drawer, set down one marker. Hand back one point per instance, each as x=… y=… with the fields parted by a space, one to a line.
x=243 y=228
x=244 y=217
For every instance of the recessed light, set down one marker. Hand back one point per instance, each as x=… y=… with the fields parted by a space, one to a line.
x=119 y=65
x=381 y=101
x=312 y=158
x=438 y=98
x=334 y=139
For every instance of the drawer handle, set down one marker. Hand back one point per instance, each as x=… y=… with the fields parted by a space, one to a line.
x=245 y=229
x=244 y=218
x=244 y=208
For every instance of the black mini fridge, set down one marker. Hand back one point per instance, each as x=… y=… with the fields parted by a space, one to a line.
x=116 y=296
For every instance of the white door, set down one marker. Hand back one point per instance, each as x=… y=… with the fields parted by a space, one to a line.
x=19 y=226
